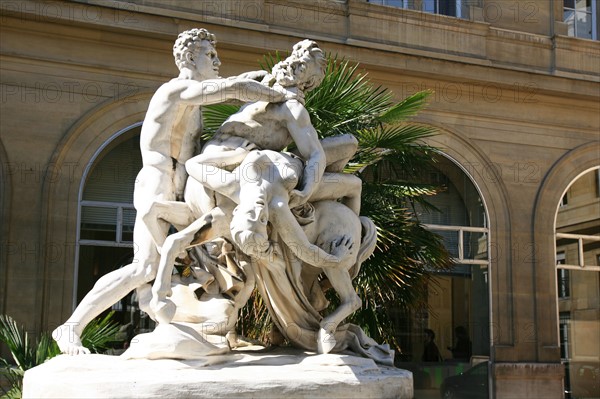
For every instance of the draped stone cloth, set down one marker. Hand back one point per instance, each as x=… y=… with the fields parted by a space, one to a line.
x=208 y=294
x=279 y=281
x=227 y=278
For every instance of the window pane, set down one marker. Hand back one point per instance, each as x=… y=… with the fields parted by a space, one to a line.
x=564 y=321
x=94 y=262
x=563 y=283
x=460 y=326
x=430 y=6
x=447 y=7
x=128 y=223
x=475 y=246
x=112 y=176
x=583 y=25
x=583 y=5
x=450 y=239
x=395 y=3
x=98 y=223
x=569 y=19
x=570 y=4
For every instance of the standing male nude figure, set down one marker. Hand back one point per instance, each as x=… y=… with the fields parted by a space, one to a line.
x=168 y=138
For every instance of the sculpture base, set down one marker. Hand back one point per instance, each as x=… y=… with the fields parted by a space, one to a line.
x=276 y=373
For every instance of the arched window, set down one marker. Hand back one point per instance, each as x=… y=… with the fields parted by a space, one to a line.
x=578 y=283
x=458 y=307
x=461 y=295
x=106 y=219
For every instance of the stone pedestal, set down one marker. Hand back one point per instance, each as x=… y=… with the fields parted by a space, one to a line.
x=279 y=373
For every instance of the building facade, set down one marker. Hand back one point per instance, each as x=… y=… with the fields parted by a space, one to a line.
x=516 y=102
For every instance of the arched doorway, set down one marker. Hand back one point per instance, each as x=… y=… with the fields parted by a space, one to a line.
x=577 y=232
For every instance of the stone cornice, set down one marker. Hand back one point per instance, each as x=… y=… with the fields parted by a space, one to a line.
x=146 y=19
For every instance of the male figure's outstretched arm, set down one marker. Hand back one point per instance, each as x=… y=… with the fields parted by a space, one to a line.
x=214 y=91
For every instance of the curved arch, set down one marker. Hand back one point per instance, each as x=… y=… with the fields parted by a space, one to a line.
x=61 y=190
x=5 y=202
x=560 y=176
x=488 y=181
x=114 y=140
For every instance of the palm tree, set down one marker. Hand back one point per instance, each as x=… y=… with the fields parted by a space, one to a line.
x=390 y=160
x=28 y=352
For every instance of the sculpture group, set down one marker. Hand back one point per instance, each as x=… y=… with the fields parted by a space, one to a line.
x=247 y=213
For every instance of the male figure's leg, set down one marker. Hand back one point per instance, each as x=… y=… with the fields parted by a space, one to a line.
x=338 y=151
x=109 y=289
x=209 y=168
x=342 y=186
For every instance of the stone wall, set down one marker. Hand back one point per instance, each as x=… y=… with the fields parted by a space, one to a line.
x=515 y=107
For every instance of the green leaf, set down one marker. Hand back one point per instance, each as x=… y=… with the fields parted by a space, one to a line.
x=17 y=341
x=394 y=138
x=405 y=109
x=26 y=353
x=345 y=101
x=99 y=333
x=213 y=117
x=14 y=377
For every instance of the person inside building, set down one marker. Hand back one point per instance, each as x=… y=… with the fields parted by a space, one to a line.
x=461 y=351
x=431 y=353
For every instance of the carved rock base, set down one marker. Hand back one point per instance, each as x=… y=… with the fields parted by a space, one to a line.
x=247 y=373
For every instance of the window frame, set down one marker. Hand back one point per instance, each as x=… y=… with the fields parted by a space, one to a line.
x=593 y=15
x=406 y=4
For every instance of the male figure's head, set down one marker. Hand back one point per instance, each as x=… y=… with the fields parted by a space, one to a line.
x=195 y=54
x=304 y=68
x=249 y=226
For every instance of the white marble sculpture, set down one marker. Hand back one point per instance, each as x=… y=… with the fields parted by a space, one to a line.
x=251 y=215
x=168 y=139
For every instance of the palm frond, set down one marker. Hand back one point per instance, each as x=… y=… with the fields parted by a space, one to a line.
x=406 y=108
x=100 y=332
x=394 y=137
x=45 y=349
x=345 y=101
x=213 y=117
x=17 y=341
x=13 y=387
x=398 y=192
x=28 y=353
x=269 y=60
